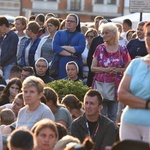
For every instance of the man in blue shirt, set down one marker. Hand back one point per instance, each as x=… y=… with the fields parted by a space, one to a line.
x=8 y=47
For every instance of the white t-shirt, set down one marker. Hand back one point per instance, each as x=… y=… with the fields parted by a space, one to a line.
x=122 y=42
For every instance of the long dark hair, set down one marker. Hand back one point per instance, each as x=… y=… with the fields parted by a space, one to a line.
x=6 y=92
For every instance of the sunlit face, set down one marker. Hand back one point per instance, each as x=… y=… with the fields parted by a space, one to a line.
x=91 y=106
x=14 y=90
x=31 y=95
x=17 y=104
x=147 y=38
x=140 y=33
x=71 y=71
x=46 y=139
x=71 y=23
x=41 y=68
x=51 y=28
x=107 y=35
x=19 y=26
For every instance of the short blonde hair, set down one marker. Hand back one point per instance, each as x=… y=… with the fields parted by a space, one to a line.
x=111 y=27
x=33 y=81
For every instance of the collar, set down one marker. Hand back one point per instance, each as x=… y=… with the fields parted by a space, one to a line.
x=141 y=39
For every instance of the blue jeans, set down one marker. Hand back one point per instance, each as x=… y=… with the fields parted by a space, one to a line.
x=110 y=109
x=6 y=71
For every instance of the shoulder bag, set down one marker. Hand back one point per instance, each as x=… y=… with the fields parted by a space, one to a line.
x=107 y=89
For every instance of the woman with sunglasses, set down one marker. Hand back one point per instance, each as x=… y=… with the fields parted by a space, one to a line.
x=89 y=35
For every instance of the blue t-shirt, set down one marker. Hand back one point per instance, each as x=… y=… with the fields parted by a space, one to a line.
x=140 y=87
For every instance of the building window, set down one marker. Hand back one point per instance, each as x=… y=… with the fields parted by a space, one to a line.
x=75 y=4
x=105 y=2
x=47 y=0
x=99 y=1
x=111 y=1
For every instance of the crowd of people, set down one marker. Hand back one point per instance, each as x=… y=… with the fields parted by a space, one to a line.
x=112 y=59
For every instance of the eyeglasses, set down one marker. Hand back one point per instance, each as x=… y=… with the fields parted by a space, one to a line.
x=89 y=36
x=40 y=66
x=70 y=21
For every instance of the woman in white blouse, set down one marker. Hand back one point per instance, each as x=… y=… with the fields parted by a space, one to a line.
x=45 y=46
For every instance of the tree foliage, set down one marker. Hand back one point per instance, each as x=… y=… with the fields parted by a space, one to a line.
x=63 y=87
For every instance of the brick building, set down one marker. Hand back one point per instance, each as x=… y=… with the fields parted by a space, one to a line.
x=86 y=9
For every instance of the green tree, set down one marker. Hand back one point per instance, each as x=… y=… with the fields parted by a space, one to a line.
x=63 y=87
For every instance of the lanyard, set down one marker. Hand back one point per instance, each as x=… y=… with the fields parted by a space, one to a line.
x=88 y=129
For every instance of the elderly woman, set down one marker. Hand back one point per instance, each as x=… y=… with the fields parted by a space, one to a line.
x=69 y=44
x=34 y=110
x=109 y=62
x=134 y=92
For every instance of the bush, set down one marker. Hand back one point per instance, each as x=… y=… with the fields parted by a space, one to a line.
x=63 y=87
